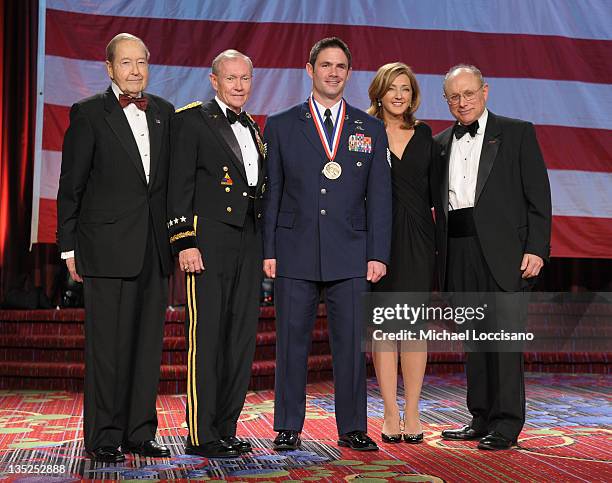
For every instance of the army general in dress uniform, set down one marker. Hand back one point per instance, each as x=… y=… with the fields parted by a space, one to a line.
x=327 y=228
x=215 y=187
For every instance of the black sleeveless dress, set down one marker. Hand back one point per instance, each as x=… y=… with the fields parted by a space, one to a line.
x=411 y=267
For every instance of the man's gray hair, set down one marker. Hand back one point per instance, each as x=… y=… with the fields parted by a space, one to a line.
x=228 y=55
x=112 y=45
x=471 y=68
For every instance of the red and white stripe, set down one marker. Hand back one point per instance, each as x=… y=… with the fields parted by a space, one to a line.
x=548 y=62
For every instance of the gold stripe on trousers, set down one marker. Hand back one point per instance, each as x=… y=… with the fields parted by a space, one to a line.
x=192 y=392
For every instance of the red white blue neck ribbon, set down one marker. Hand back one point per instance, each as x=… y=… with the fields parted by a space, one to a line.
x=330 y=146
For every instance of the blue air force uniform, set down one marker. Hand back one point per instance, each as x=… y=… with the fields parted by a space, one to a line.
x=322 y=232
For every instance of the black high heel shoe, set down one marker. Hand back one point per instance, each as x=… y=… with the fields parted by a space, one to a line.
x=413 y=438
x=392 y=438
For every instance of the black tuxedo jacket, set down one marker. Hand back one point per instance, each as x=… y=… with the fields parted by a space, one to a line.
x=512 y=210
x=207 y=175
x=105 y=207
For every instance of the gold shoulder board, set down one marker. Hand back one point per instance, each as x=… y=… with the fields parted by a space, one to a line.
x=189 y=106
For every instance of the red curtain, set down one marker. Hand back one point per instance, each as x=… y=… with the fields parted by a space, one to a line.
x=19 y=25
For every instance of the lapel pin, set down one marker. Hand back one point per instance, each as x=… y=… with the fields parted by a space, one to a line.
x=157 y=121
x=308 y=116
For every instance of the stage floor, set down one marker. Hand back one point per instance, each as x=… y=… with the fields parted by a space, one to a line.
x=567 y=438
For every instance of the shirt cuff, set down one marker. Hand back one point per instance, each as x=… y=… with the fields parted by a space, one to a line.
x=66 y=255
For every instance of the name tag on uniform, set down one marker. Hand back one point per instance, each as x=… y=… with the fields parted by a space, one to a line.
x=360 y=143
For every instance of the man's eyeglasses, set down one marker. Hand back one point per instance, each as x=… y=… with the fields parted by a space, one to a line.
x=467 y=95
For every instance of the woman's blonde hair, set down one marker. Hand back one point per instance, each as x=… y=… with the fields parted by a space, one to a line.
x=380 y=85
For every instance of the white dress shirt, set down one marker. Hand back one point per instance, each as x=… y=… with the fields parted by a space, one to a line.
x=334 y=115
x=334 y=110
x=137 y=120
x=249 y=151
x=463 y=167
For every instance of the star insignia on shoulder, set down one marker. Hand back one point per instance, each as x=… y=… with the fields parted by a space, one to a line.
x=189 y=106
x=183 y=219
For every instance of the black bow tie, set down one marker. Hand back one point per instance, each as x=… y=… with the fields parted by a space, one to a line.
x=461 y=130
x=242 y=118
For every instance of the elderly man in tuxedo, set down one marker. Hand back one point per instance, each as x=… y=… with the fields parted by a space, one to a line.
x=111 y=211
x=494 y=228
x=214 y=196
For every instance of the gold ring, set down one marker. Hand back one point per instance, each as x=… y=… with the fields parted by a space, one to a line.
x=186 y=267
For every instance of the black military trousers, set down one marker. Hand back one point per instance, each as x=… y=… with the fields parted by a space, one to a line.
x=221 y=324
x=124 y=326
x=495 y=379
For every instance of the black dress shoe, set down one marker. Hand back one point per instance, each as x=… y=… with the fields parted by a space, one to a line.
x=151 y=449
x=213 y=449
x=413 y=438
x=106 y=454
x=240 y=444
x=467 y=433
x=287 y=440
x=495 y=441
x=357 y=440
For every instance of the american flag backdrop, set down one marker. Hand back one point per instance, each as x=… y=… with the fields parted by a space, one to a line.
x=546 y=61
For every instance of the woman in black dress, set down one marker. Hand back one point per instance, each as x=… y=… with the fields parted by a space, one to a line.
x=395 y=97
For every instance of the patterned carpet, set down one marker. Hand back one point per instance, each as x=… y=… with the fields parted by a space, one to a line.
x=567 y=438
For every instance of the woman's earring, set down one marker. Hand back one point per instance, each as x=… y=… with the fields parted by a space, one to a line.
x=379 y=103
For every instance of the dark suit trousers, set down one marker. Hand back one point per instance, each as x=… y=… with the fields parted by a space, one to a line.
x=223 y=312
x=124 y=327
x=495 y=380
x=296 y=304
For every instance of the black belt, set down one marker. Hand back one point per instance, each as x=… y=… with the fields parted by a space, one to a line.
x=461 y=223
